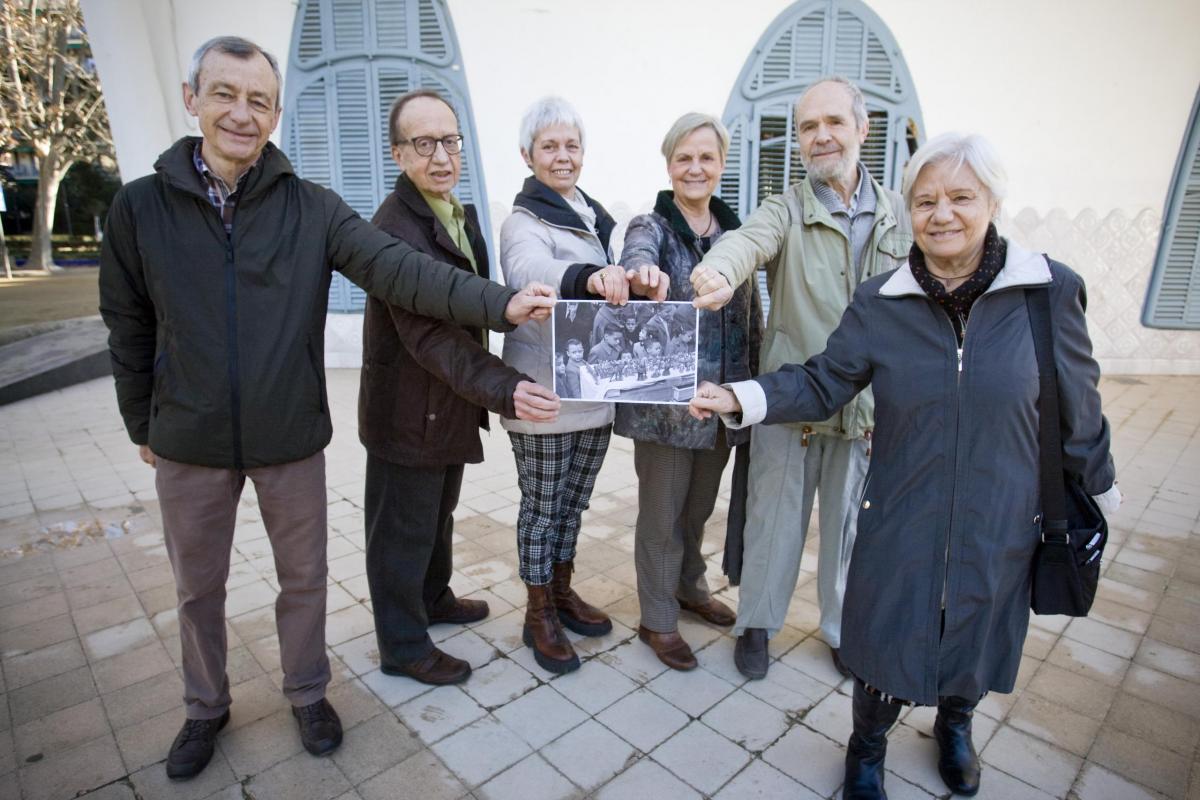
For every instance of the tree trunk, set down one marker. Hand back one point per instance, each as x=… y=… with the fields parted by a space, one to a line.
x=51 y=170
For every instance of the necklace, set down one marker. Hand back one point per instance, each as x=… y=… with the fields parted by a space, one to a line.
x=950 y=277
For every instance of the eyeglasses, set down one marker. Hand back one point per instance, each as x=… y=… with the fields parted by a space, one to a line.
x=425 y=145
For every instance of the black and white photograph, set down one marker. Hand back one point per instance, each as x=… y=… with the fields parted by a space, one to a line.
x=637 y=353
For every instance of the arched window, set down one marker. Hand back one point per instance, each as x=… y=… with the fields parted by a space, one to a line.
x=1173 y=297
x=811 y=39
x=350 y=59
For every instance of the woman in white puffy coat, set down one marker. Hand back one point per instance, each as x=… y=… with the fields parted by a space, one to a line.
x=559 y=236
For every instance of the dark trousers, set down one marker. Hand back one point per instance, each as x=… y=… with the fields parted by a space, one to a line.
x=409 y=518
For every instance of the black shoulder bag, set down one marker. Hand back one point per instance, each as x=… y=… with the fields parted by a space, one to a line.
x=1066 y=566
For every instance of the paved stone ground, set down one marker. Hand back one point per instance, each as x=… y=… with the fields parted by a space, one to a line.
x=1108 y=707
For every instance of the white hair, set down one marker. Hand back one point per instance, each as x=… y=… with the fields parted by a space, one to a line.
x=958 y=149
x=689 y=123
x=546 y=113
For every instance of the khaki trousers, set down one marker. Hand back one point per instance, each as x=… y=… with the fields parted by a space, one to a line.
x=199 y=509
x=785 y=476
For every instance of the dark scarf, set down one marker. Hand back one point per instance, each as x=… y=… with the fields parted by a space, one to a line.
x=547 y=204
x=957 y=304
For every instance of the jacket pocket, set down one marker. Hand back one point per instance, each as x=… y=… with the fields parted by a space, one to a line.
x=318 y=373
x=162 y=363
x=895 y=247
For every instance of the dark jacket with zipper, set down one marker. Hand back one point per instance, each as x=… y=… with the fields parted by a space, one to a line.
x=217 y=341
x=427 y=385
x=729 y=339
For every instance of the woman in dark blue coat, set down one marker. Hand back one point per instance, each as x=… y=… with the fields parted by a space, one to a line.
x=937 y=599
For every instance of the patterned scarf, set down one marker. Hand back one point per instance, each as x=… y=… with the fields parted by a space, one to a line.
x=957 y=304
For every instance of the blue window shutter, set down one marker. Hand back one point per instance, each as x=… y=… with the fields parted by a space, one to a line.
x=1173 y=296
x=350 y=59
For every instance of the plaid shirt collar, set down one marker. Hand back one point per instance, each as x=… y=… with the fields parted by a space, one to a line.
x=223 y=199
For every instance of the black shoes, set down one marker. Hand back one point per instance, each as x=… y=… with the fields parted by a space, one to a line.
x=750 y=653
x=193 y=747
x=320 y=731
x=958 y=763
x=320 y=728
x=873 y=718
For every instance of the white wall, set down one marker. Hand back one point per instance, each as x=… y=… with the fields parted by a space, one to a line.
x=1086 y=99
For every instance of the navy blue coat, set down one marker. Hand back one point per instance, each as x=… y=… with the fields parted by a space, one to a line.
x=947 y=512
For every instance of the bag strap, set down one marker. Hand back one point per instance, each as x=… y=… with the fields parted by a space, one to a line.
x=1054 y=503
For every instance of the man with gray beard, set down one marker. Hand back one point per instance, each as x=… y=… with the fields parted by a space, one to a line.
x=818 y=240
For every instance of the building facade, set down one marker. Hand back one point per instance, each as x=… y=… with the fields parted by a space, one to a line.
x=1088 y=101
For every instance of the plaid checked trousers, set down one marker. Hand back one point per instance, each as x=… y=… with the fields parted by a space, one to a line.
x=556 y=473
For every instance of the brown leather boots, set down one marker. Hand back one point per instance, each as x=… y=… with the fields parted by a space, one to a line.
x=550 y=607
x=577 y=615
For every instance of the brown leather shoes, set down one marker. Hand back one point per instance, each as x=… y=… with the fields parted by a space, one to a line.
x=670 y=648
x=436 y=668
x=584 y=619
x=462 y=612
x=713 y=612
x=544 y=634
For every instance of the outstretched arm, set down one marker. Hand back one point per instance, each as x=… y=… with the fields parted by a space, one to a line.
x=813 y=390
x=390 y=269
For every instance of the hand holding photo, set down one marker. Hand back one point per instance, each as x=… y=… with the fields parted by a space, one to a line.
x=638 y=353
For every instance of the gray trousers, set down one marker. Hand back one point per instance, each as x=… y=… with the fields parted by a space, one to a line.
x=199 y=510
x=784 y=478
x=677 y=490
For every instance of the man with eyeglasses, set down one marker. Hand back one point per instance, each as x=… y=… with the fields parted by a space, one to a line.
x=426 y=389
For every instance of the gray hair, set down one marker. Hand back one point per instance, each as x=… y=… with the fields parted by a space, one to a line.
x=689 y=123
x=958 y=149
x=858 y=103
x=237 y=47
x=546 y=113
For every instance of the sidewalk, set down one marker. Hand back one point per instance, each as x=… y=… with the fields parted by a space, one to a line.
x=1108 y=707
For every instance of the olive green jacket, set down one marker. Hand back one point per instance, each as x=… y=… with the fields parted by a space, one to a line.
x=809 y=279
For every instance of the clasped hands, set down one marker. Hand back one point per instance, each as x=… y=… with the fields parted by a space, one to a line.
x=615 y=283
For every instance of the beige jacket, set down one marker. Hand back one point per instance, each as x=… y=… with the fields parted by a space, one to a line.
x=809 y=279
x=533 y=249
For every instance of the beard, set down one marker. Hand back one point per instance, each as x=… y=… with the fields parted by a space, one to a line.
x=827 y=170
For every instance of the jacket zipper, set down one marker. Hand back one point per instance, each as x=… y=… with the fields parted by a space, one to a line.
x=235 y=391
x=959 y=348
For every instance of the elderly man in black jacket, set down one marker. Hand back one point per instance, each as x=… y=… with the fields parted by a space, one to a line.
x=426 y=388
x=214 y=280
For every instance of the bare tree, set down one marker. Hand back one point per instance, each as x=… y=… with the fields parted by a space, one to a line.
x=50 y=101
